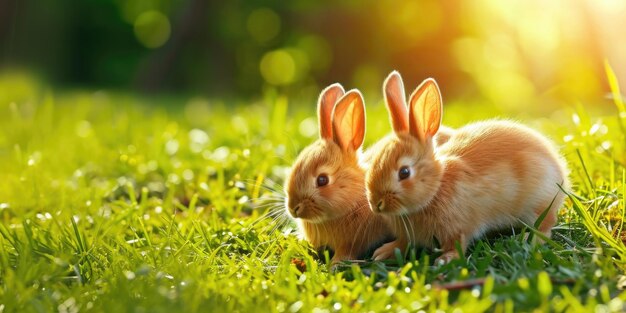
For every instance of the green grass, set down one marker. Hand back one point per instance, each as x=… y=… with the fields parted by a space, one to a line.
x=111 y=202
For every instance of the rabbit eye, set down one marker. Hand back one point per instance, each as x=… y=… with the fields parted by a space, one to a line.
x=404 y=172
x=322 y=180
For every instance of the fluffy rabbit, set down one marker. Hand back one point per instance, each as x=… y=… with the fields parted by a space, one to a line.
x=326 y=188
x=488 y=175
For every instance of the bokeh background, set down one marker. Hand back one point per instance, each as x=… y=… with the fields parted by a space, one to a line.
x=514 y=55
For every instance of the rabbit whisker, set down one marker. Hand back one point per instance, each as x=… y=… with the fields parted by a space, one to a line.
x=408 y=220
x=279 y=221
x=270 y=214
x=267 y=204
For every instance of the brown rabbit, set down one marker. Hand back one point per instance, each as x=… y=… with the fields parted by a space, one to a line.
x=488 y=175
x=326 y=189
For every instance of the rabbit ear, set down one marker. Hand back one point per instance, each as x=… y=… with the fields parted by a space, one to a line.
x=425 y=110
x=349 y=121
x=325 y=104
x=393 y=88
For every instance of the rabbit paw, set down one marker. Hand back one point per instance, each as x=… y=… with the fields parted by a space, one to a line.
x=386 y=251
x=446 y=257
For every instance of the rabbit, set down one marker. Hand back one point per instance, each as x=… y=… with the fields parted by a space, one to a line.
x=488 y=175
x=326 y=186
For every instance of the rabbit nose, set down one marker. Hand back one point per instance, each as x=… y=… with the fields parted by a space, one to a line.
x=296 y=209
x=380 y=206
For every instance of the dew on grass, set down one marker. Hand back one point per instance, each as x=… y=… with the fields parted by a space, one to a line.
x=160 y=275
x=158 y=210
x=220 y=154
x=475 y=293
x=129 y=275
x=68 y=306
x=198 y=139
x=188 y=175
x=594 y=128
x=173 y=179
x=43 y=216
x=576 y=119
x=337 y=306
x=606 y=145
x=133 y=241
x=302 y=279
x=4 y=206
x=599 y=129
x=296 y=306
x=34 y=158
x=240 y=185
x=171 y=146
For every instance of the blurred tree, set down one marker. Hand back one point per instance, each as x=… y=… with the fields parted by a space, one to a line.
x=506 y=53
